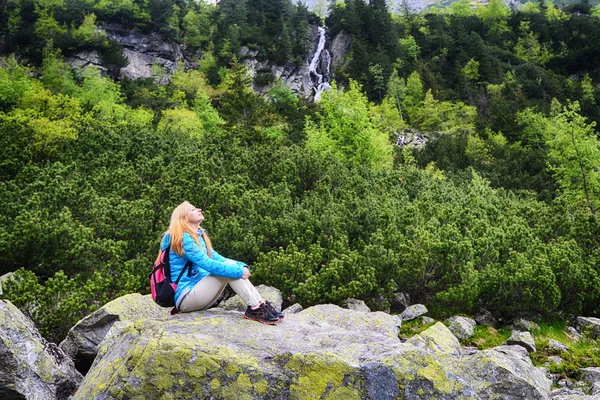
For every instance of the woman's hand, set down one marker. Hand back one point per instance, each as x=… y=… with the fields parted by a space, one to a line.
x=246 y=273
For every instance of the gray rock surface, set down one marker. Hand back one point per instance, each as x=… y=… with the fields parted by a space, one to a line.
x=322 y=352
x=524 y=325
x=590 y=375
x=485 y=318
x=573 y=333
x=81 y=343
x=414 y=311
x=589 y=326
x=3 y=279
x=595 y=389
x=340 y=45
x=462 y=327
x=555 y=345
x=427 y=320
x=267 y=292
x=523 y=339
x=293 y=309
x=356 y=305
x=31 y=367
x=400 y=301
x=555 y=360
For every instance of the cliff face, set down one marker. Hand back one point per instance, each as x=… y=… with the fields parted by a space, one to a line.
x=146 y=52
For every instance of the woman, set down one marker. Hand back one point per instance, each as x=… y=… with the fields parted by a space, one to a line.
x=210 y=271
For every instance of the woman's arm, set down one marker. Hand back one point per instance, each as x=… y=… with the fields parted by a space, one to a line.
x=199 y=258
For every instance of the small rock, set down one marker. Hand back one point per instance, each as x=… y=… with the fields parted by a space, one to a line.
x=556 y=345
x=485 y=318
x=461 y=327
x=414 y=311
x=573 y=333
x=565 y=393
x=293 y=309
x=356 y=305
x=4 y=278
x=522 y=339
x=590 y=375
x=589 y=326
x=427 y=320
x=400 y=302
x=524 y=325
x=555 y=360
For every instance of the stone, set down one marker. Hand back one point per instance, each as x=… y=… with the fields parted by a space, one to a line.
x=340 y=45
x=485 y=318
x=590 y=375
x=565 y=393
x=555 y=360
x=573 y=333
x=81 y=343
x=503 y=372
x=400 y=301
x=324 y=351
x=267 y=293
x=595 y=389
x=555 y=345
x=293 y=309
x=356 y=305
x=427 y=320
x=589 y=326
x=30 y=366
x=4 y=278
x=86 y=58
x=523 y=339
x=524 y=325
x=414 y=311
x=461 y=327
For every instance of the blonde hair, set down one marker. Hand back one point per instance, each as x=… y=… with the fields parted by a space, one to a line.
x=180 y=225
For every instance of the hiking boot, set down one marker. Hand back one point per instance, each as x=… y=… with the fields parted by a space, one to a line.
x=262 y=315
x=273 y=310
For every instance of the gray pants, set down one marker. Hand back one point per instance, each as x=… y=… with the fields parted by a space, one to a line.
x=208 y=290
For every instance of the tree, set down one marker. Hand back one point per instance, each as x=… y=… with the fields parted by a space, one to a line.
x=344 y=128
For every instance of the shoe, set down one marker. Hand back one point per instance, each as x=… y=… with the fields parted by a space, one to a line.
x=273 y=310
x=262 y=315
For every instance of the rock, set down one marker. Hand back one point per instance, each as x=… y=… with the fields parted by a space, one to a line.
x=86 y=58
x=31 y=367
x=555 y=360
x=322 y=352
x=3 y=279
x=267 y=292
x=81 y=343
x=414 y=311
x=485 y=318
x=590 y=375
x=573 y=333
x=461 y=327
x=340 y=45
x=589 y=326
x=524 y=325
x=504 y=372
x=293 y=309
x=555 y=345
x=400 y=301
x=595 y=389
x=427 y=320
x=523 y=339
x=356 y=305
x=565 y=393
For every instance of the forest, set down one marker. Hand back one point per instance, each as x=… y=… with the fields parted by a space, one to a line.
x=499 y=210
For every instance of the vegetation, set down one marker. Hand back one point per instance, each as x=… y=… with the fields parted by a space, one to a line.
x=499 y=211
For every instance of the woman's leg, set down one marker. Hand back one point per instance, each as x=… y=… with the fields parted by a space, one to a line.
x=204 y=294
x=246 y=290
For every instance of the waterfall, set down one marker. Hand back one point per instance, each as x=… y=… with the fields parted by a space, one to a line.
x=319 y=67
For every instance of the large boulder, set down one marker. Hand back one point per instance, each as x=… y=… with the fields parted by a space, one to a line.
x=414 y=311
x=522 y=339
x=589 y=326
x=81 y=343
x=462 y=327
x=31 y=367
x=322 y=352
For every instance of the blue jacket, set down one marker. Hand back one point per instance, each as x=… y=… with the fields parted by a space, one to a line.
x=202 y=264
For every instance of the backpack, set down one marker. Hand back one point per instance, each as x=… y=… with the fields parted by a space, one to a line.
x=162 y=286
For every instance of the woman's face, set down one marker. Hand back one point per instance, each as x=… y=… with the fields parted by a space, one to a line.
x=194 y=215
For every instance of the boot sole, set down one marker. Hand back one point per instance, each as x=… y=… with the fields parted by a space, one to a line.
x=263 y=321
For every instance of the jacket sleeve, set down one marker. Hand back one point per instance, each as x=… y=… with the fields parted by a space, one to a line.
x=200 y=259
x=216 y=256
